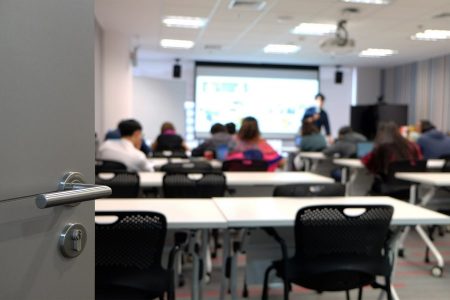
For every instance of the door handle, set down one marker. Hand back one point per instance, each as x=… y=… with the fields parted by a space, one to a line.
x=71 y=191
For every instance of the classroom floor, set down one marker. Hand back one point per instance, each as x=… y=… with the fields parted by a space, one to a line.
x=412 y=279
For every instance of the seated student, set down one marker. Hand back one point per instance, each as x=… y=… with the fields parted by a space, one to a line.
x=432 y=142
x=169 y=140
x=219 y=137
x=231 y=128
x=345 y=145
x=115 y=134
x=248 y=144
x=389 y=146
x=312 y=139
x=126 y=149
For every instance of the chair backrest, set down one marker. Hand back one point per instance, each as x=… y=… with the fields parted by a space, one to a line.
x=169 y=154
x=134 y=241
x=244 y=165
x=109 y=166
x=404 y=166
x=446 y=166
x=327 y=231
x=194 y=185
x=310 y=190
x=189 y=167
x=122 y=184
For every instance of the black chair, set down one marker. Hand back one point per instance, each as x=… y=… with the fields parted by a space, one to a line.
x=109 y=166
x=169 y=154
x=189 y=167
x=388 y=185
x=310 y=190
x=336 y=250
x=194 y=185
x=122 y=184
x=244 y=165
x=128 y=257
x=446 y=166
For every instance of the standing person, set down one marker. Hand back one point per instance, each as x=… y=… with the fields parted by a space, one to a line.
x=250 y=145
x=126 y=148
x=432 y=142
x=169 y=140
x=318 y=116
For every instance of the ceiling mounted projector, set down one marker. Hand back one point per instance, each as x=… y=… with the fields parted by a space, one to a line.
x=340 y=43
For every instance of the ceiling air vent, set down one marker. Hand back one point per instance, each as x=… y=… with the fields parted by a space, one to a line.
x=212 y=47
x=254 y=5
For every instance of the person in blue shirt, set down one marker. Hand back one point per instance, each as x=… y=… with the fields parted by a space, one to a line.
x=318 y=115
x=432 y=142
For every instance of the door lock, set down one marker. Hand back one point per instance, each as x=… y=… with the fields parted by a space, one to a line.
x=72 y=240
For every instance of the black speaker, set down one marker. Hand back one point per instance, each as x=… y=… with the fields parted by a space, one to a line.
x=338 y=77
x=176 y=71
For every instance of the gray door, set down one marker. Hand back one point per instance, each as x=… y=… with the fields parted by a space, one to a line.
x=46 y=129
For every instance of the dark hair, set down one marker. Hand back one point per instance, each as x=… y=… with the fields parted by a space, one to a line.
x=231 y=128
x=321 y=96
x=216 y=128
x=128 y=127
x=345 y=130
x=426 y=125
x=167 y=126
x=309 y=128
x=249 y=130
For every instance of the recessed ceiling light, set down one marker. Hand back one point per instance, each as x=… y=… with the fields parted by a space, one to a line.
x=373 y=52
x=281 y=49
x=184 y=22
x=432 y=35
x=378 y=2
x=180 y=44
x=314 y=29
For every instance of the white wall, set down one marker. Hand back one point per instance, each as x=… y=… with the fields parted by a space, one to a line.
x=368 y=85
x=117 y=80
x=99 y=81
x=338 y=96
x=156 y=101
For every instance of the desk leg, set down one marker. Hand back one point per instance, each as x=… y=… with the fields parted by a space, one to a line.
x=204 y=257
x=437 y=270
x=428 y=196
x=225 y=255
x=344 y=175
x=195 y=266
x=307 y=164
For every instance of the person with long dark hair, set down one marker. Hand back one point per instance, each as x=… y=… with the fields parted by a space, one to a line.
x=390 y=146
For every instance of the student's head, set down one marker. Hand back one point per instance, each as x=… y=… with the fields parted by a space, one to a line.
x=131 y=130
x=345 y=130
x=320 y=99
x=249 y=130
x=231 y=128
x=388 y=132
x=216 y=128
x=309 y=128
x=424 y=126
x=167 y=126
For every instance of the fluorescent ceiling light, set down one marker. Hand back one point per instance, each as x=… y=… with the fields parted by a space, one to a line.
x=379 y=2
x=372 y=52
x=180 y=44
x=314 y=29
x=281 y=49
x=184 y=22
x=432 y=35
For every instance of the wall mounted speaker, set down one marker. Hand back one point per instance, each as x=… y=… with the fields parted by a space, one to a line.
x=176 y=71
x=338 y=77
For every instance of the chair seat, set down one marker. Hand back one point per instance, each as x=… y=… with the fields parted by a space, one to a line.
x=122 y=283
x=325 y=274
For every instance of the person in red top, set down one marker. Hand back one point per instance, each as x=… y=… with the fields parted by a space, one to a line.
x=248 y=144
x=390 y=146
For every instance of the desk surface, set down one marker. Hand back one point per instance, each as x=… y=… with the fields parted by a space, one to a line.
x=435 y=179
x=258 y=212
x=356 y=163
x=154 y=179
x=160 y=161
x=180 y=213
x=313 y=155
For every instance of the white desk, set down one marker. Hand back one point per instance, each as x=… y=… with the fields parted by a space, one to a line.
x=158 y=162
x=154 y=179
x=438 y=179
x=197 y=214
x=311 y=159
x=278 y=212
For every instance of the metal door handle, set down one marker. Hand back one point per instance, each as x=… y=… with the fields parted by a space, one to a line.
x=71 y=191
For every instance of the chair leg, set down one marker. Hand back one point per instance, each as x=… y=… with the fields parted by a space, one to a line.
x=266 y=283
x=347 y=294
x=388 y=287
x=287 y=289
x=360 y=293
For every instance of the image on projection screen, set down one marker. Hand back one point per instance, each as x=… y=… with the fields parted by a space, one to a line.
x=277 y=103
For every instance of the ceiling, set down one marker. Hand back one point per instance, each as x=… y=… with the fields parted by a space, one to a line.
x=242 y=34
